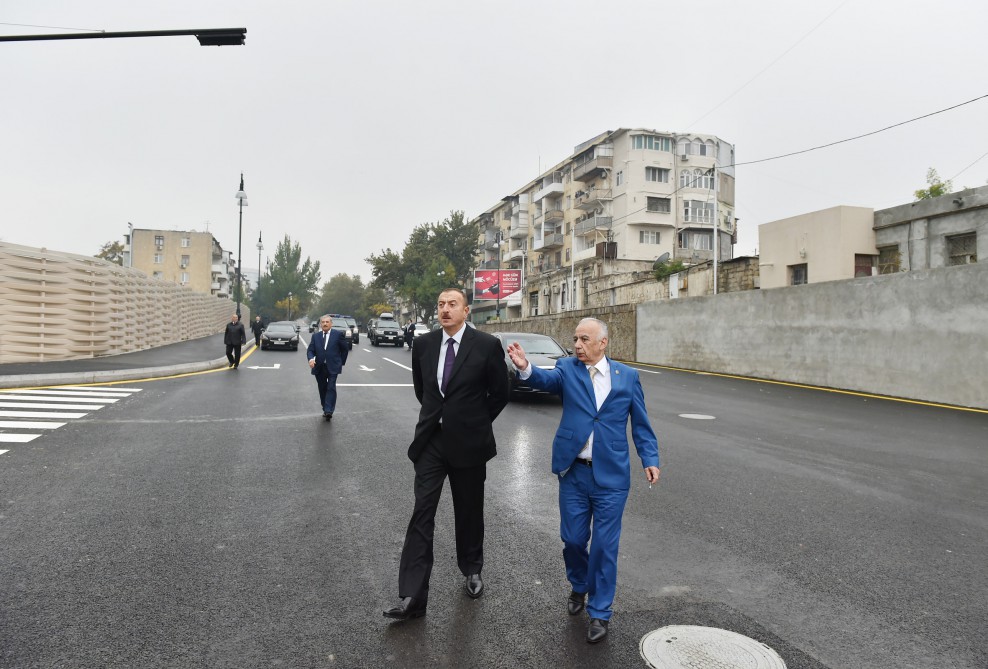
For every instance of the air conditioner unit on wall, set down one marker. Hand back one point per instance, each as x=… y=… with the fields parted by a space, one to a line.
x=684 y=158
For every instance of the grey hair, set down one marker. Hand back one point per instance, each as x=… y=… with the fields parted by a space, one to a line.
x=600 y=323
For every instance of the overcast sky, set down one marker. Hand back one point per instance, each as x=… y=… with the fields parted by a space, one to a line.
x=355 y=121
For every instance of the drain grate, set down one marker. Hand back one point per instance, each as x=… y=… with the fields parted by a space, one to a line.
x=695 y=647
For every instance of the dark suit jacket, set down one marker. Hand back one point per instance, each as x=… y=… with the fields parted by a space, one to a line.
x=476 y=393
x=329 y=358
x=235 y=335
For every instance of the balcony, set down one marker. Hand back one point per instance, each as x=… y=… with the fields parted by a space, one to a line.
x=552 y=216
x=516 y=254
x=593 y=168
x=548 y=265
x=593 y=199
x=519 y=228
x=592 y=224
x=488 y=264
x=553 y=241
x=550 y=186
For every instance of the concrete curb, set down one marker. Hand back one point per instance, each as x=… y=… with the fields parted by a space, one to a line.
x=75 y=378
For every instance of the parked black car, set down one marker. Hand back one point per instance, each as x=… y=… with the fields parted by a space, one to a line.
x=279 y=335
x=541 y=350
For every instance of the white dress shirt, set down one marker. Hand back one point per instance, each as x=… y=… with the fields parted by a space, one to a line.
x=457 y=338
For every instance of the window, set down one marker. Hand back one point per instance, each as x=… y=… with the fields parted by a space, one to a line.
x=797 y=275
x=158 y=258
x=567 y=255
x=533 y=304
x=648 y=236
x=888 y=260
x=662 y=205
x=863 y=265
x=696 y=240
x=657 y=174
x=186 y=242
x=159 y=240
x=185 y=261
x=651 y=142
x=698 y=211
x=184 y=278
x=618 y=179
x=962 y=249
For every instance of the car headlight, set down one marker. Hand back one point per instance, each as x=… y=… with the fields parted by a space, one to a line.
x=264 y=336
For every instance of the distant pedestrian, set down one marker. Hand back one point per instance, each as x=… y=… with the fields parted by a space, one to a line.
x=327 y=354
x=257 y=328
x=410 y=334
x=234 y=338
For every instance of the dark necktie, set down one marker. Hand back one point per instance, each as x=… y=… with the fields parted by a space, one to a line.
x=448 y=363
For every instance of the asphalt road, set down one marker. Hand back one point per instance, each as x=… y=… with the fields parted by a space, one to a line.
x=216 y=520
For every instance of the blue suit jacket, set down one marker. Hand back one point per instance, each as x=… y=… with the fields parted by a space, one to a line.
x=611 y=452
x=329 y=358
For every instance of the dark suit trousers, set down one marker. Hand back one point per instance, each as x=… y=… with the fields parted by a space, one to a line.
x=233 y=353
x=327 y=390
x=467 y=488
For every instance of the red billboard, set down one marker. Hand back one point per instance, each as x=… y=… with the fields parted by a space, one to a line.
x=492 y=284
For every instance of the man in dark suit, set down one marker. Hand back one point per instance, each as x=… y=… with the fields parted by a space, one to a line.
x=462 y=384
x=257 y=328
x=234 y=337
x=327 y=354
x=590 y=455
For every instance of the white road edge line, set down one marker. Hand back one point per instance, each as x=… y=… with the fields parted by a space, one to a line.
x=649 y=371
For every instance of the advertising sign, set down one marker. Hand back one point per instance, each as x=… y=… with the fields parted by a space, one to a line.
x=492 y=284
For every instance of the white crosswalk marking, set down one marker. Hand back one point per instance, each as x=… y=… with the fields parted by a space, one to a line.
x=67 y=402
x=54 y=398
x=17 y=438
x=31 y=424
x=41 y=405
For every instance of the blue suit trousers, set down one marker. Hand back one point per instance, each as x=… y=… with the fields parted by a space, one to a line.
x=327 y=390
x=586 y=506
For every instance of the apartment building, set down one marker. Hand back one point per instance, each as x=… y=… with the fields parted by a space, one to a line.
x=189 y=258
x=619 y=202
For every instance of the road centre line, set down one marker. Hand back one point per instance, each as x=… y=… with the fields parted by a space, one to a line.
x=54 y=398
x=398 y=363
x=35 y=405
x=31 y=424
x=41 y=414
x=17 y=438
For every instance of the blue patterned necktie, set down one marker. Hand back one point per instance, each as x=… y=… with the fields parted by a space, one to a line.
x=448 y=363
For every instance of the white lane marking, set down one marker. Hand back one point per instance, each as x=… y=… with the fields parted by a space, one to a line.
x=36 y=405
x=102 y=389
x=648 y=371
x=398 y=363
x=2 y=452
x=66 y=393
x=365 y=368
x=53 y=398
x=365 y=350
x=41 y=414
x=696 y=416
x=277 y=365
x=31 y=424
x=17 y=438
x=375 y=385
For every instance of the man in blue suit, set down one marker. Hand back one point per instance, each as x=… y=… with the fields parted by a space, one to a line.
x=327 y=354
x=590 y=455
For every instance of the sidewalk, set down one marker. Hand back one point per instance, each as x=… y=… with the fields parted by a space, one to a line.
x=195 y=355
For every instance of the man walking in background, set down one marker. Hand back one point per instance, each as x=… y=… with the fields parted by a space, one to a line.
x=234 y=338
x=327 y=354
x=257 y=329
x=590 y=455
x=462 y=384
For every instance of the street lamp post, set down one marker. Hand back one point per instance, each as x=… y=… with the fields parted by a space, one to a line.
x=289 y=305
x=497 y=295
x=260 y=247
x=242 y=199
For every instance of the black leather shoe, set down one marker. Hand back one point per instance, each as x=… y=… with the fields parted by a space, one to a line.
x=327 y=415
x=475 y=586
x=576 y=602
x=407 y=608
x=597 y=630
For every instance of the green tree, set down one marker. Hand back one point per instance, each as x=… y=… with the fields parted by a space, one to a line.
x=287 y=273
x=112 y=251
x=936 y=186
x=342 y=294
x=667 y=268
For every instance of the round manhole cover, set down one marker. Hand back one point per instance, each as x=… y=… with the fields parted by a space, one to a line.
x=695 y=647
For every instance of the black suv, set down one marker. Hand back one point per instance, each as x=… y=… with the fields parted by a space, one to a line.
x=385 y=329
